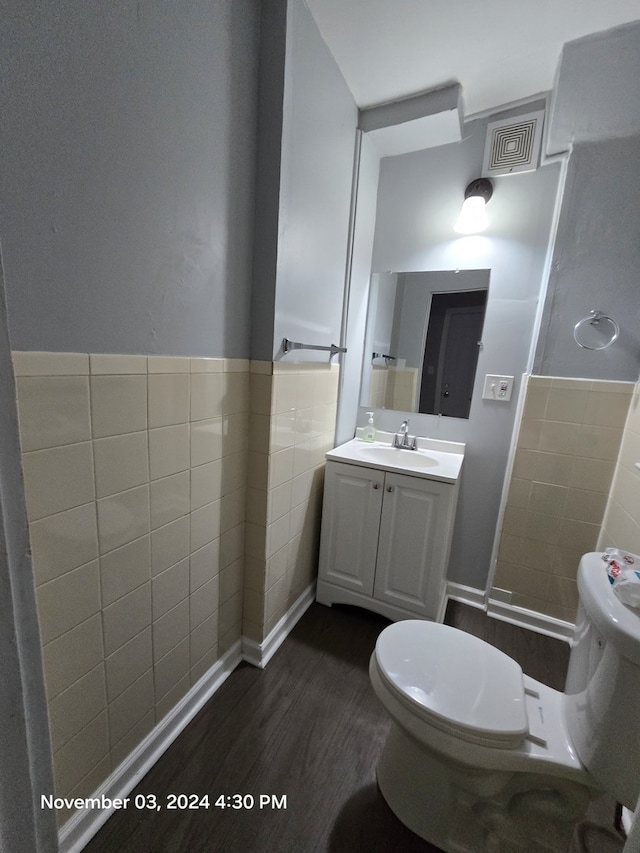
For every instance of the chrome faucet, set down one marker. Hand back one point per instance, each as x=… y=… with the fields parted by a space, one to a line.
x=402 y=440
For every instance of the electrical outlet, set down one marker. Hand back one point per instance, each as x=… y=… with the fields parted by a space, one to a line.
x=497 y=388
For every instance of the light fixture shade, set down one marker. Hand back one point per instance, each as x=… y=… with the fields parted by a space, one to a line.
x=473 y=215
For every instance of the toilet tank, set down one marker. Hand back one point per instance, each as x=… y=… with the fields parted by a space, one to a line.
x=602 y=694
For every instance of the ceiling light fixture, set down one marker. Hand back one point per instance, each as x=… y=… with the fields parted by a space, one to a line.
x=473 y=215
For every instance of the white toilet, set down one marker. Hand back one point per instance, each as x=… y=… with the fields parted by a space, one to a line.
x=483 y=758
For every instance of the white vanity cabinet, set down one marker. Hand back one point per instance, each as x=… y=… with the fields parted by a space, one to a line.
x=385 y=540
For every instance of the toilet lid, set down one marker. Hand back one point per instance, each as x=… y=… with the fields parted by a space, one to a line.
x=455 y=681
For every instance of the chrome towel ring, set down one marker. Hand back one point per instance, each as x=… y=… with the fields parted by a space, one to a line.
x=597 y=331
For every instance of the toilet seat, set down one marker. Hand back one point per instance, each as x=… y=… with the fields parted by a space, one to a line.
x=454 y=682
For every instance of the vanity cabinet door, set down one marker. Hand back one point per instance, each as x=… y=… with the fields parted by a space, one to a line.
x=350 y=522
x=412 y=544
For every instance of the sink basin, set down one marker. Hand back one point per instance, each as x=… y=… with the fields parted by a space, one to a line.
x=416 y=459
x=433 y=460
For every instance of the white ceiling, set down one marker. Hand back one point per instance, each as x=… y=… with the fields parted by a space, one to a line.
x=499 y=50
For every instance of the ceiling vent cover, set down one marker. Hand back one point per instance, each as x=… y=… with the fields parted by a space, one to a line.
x=513 y=145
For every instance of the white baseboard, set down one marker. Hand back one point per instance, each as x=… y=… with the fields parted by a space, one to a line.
x=78 y=831
x=548 y=625
x=466 y=594
x=501 y=609
x=259 y=654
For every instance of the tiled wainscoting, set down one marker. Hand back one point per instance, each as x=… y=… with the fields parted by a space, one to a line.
x=293 y=412
x=621 y=525
x=136 y=472
x=569 y=440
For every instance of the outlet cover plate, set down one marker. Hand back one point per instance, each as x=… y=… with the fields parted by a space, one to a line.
x=497 y=388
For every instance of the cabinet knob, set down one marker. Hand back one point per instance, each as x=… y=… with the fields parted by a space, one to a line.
x=389 y=488
x=376 y=485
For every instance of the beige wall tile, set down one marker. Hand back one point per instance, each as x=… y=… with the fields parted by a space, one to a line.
x=132 y=739
x=169 y=545
x=80 y=755
x=256 y=508
x=265 y=367
x=232 y=544
x=169 y=498
x=118 y=404
x=257 y=470
x=259 y=433
x=72 y=655
x=50 y=363
x=207 y=394
x=566 y=404
x=123 y=518
x=170 y=588
x=277 y=535
x=169 y=451
x=126 y=617
x=254 y=573
x=585 y=505
x=121 y=462
x=284 y=393
x=170 y=364
x=205 y=525
x=63 y=542
x=579 y=535
x=67 y=601
x=231 y=580
x=557 y=437
x=53 y=410
x=232 y=509
x=548 y=498
x=171 y=668
x=260 y=393
x=130 y=707
x=168 y=399
x=129 y=663
x=201 y=668
x=107 y=363
x=626 y=491
x=207 y=365
x=599 y=442
x=234 y=472
x=607 y=409
x=236 y=396
x=58 y=479
x=206 y=484
x=76 y=706
x=230 y=614
x=592 y=474
x=620 y=529
x=279 y=501
x=543 y=467
x=204 y=564
x=235 y=433
x=204 y=638
x=206 y=441
x=170 y=629
x=204 y=602
x=169 y=702
x=281 y=467
x=563 y=592
x=125 y=569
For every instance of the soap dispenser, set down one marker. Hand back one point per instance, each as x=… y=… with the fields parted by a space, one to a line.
x=369 y=432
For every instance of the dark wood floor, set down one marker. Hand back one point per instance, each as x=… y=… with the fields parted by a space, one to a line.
x=309 y=727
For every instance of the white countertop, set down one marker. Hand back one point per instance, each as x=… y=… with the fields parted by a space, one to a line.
x=433 y=460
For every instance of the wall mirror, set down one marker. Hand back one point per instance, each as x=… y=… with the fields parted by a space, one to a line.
x=422 y=340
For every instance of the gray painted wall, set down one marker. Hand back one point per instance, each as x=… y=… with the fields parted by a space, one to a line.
x=356 y=321
x=24 y=727
x=318 y=144
x=127 y=174
x=596 y=263
x=596 y=95
x=419 y=199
